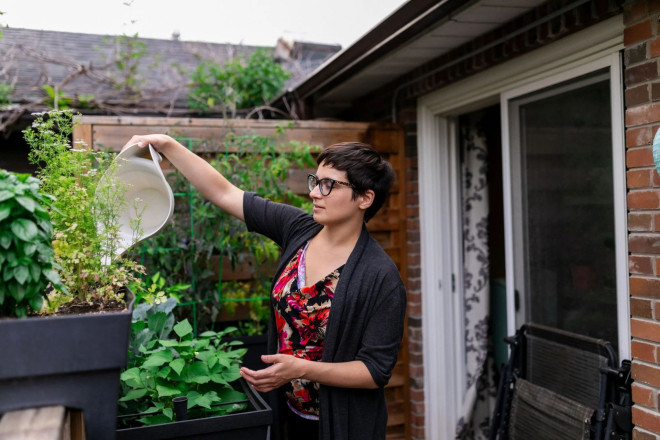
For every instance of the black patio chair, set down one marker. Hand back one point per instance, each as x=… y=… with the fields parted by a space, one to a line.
x=559 y=386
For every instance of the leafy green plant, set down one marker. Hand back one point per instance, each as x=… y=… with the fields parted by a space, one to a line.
x=154 y=289
x=200 y=369
x=150 y=322
x=57 y=99
x=240 y=83
x=26 y=253
x=6 y=91
x=85 y=226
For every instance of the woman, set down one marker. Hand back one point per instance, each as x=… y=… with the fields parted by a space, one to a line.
x=338 y=300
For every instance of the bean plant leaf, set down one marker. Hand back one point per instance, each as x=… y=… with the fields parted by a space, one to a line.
x=183 y=328
x=198 y=373
x=165 y=390
x=134 y=394
x=158 y=358
x=177 y=365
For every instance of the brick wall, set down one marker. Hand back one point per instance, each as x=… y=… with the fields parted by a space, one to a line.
x=642 y=120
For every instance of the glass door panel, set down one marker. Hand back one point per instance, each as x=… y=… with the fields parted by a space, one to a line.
x=563 y=204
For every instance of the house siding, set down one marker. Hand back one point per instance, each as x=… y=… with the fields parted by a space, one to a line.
x=642 y=119
x=642 y=180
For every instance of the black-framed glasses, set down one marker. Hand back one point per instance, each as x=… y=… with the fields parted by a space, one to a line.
x=325 y=185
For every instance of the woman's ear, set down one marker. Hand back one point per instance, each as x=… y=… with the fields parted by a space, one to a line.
x=366 y=199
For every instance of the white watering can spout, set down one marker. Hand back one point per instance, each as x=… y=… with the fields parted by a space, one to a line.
x=148 y=199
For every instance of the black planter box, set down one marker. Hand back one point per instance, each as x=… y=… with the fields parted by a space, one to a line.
x=73 y=360
x=252 y=424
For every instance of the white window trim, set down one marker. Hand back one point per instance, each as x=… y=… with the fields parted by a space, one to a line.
x=443 y=364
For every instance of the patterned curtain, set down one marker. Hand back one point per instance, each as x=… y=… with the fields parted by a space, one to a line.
x=479 y=400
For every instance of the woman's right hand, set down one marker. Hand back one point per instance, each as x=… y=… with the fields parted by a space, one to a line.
x=158 y=141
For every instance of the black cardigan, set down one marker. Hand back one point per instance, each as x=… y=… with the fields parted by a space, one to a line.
x=366 y=318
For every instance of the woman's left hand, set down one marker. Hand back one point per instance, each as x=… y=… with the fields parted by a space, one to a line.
x=284 y=369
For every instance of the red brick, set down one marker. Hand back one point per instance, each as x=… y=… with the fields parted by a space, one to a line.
x=644 y=199
x=639 y=157
x=656 y=310
x=648 y=330
x=644 y=243
x=643 y=395
x=637 y=95
x=656 y=223
x=643 y=114
x=645 y=287
x=654 y=47
x=641 y=307
x=637 y=32
x=655 y=179
x=638 y=178
x=634 y=11
x=637 y=137
x=641 y=264
x=640 y=221
x=644 y=351
x=646 y=419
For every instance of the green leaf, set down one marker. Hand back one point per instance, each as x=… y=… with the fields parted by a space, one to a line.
x=154 y=420
x=198 y=373
x=177 y=365
x=158 y=358
x=157 y=321
x=131 y=374
x=27 y=203
x=134 y=394
x=230 y=395
x=5 y=195
x=183 y=328
x=24 y=229
x=21 y=274
x=165 y=390
x=36 y=302
x=201 y=400
x=4 y=212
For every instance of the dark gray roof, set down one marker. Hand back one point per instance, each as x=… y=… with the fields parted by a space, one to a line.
x=33 y=58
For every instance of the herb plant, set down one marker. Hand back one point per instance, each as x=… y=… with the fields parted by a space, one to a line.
x=26 y=253
x=201 y=369
x=85 y=226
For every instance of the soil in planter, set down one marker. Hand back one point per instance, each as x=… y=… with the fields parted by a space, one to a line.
x=78 y=306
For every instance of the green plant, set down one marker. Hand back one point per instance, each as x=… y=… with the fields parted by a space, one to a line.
x=57 y=99
x=150 y=322
x=154 y=290
x=85 y=226
x=6 y=91
x=26 y=252
x=200 y=369
x=240 y=83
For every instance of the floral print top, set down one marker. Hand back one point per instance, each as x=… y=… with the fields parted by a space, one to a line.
x=301 y=316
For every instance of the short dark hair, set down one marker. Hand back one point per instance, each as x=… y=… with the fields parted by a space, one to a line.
x=365 y=169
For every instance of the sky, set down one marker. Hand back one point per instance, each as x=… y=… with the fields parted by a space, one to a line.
x=249 y=22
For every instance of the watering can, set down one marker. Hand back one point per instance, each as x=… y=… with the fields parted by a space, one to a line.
x=148 y=199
